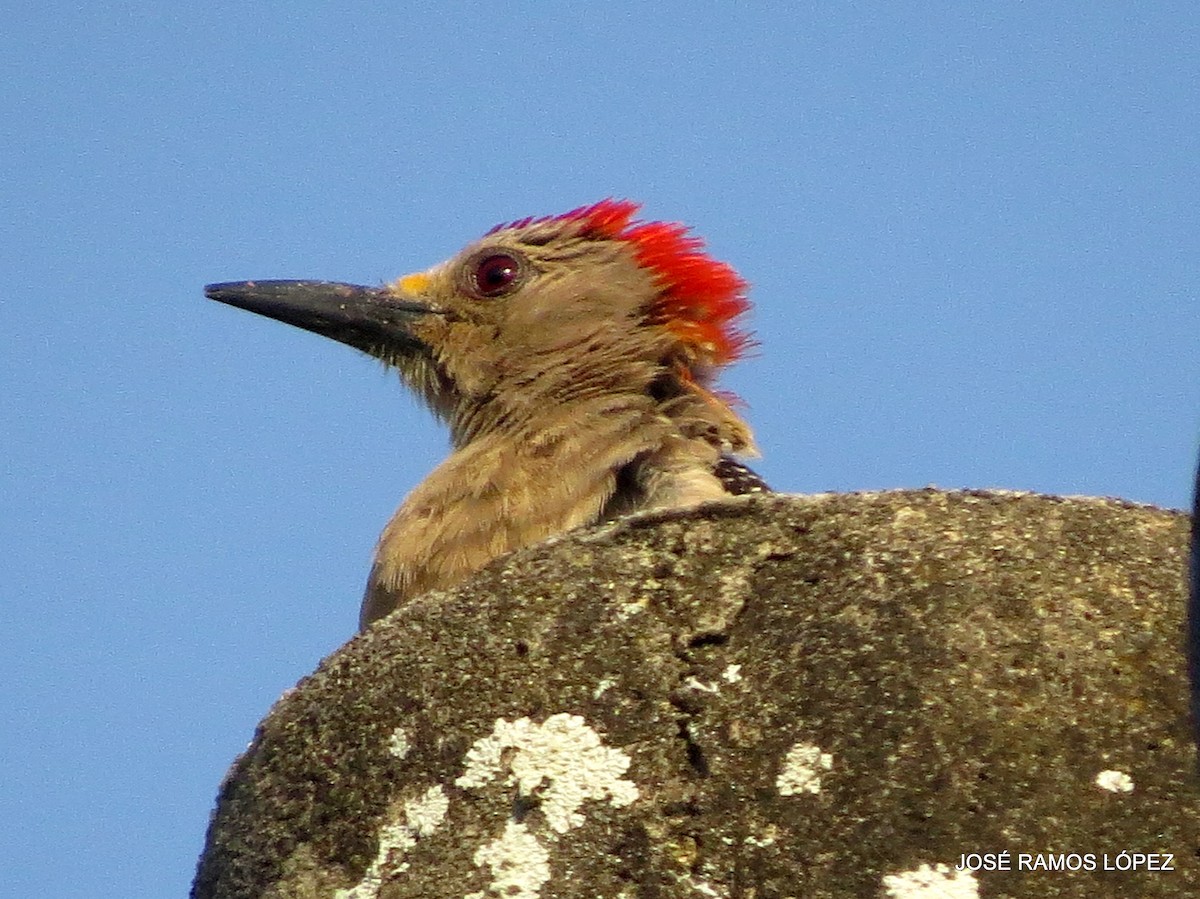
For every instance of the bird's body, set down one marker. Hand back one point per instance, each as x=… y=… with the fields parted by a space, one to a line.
x=570 y=357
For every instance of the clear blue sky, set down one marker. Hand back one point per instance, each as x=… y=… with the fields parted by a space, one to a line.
x=971 y=231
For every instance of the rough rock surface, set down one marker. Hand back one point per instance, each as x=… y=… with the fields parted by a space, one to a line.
x=825 y=696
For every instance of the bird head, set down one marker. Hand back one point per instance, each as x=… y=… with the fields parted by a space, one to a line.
x=543 y=313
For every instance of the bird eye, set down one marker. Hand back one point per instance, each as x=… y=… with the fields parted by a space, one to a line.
x=495 y=274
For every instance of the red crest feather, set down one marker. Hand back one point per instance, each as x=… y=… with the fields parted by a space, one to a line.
x=700 y=298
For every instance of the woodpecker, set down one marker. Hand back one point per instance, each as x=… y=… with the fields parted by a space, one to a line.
x=571 y=356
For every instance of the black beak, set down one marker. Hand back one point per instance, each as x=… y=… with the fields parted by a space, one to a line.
x=371 y=319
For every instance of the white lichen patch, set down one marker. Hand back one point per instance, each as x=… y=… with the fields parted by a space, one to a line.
x=627 y=610
x=802 y=770
x=398 y=744
x=703 y=887
x=932 y=882
x=425 y=813
x=562 y=761
x=732 y=674
x=519 y=863
x=694 y=683
x=420 y=818
x=1114 y=781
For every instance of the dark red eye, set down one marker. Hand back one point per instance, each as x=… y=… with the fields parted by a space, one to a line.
x=495 y=274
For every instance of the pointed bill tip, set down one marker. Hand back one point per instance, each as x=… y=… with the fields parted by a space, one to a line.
x=367 y=318
x=253 y=294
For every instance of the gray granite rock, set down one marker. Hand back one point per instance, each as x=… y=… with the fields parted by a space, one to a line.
x=826 y=696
